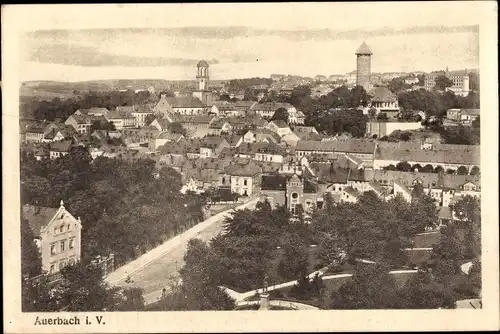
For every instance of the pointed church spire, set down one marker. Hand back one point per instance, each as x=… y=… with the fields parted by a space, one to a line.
x=62 y=204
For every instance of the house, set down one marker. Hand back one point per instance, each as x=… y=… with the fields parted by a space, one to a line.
x=244 y=179
x=140 y=113
x=350 y=195
x=400 y=189
x=291 y=139
x=219 y=127
x=52 y=136
x=266 y=136
x=243 y=107
x=270 y=152
x=99 y=134
x=267 y=110
x=453 y=114
x=163 y=138
x=384 y=101
x=80 y=122
x=94 y=111
x=195 y=126
x=234 y=140
x=279 y=127
x=161 y=124
x=249 y=137
x=212 y=146
x=226 y=109
x=362 y=149
x=57 y=234
x=200 y=180
x=34 y=134
x=469 y=115
x=60 y=149
x=121 y=119
x=182 y=105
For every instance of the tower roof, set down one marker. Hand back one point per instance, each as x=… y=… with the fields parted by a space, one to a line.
x=364 y=49
x=202 y=63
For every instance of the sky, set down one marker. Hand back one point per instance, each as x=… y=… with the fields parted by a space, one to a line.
x=244 y=40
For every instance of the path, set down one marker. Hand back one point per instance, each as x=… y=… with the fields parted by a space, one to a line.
x=241 y=296
x=278 y=302
x=154 y=270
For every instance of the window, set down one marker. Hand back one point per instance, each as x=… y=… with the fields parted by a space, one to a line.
x=71 y=243
x=55 y=230
x=52 y=268
x=295 y=195
x=245 y=182
x=61 y=228
x=63 y=244
x=53 y=249
x=61 y=264
x=69 y=226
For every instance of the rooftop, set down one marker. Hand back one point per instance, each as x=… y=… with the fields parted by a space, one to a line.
x=347 y=146
x=364 y=49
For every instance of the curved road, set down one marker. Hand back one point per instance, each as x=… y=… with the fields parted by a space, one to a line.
x=159 y=267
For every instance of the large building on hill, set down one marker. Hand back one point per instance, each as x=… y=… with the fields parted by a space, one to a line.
x=363 y=66
x=460 y=81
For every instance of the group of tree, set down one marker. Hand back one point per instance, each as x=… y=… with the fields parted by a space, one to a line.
x=80 y=288
x=435 y=103
x=373 y=287
x=372 y=229
x=242 y=84
x=122 y=204
x=34 y=108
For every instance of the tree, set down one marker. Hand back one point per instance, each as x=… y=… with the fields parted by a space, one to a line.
x=83 y=289
x=102 y=125
x=447 y=254
x=442 y=82
x=31 y=262
x=280 y=114
x=295 y=259
x=421 y=291
x=200 y=279
x=403 y=166
x=468 y=211
x=176 y=127
x=382 y=117
x=134 y=301
x=371 y=287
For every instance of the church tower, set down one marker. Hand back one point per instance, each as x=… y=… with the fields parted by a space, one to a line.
x=363 y=66
x=294 y=193
x=202 y=77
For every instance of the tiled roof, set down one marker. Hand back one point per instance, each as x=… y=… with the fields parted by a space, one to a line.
x=212 y=141
x=33 y=129
x=233 y=140
x=280 y=123
x=363 y=49
x=125 y=109
x=271 y=106
x=170 y=136
x=376 y=187
x=351 y=191
x=185 y=102
x=38 y=217
x=446 y=154
x=347 y=146
x=218 y=123
x=386 y=177
x=329 y=173
x=470 y=112
x=249 y=169
x=200 y=119
x=304 y=129
x=60 y=146
x=382 y=94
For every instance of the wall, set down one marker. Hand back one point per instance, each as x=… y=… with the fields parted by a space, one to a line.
x=386 y=128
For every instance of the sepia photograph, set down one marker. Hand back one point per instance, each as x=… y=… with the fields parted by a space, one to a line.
x=249 y=157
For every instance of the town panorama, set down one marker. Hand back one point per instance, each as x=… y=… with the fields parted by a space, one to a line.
x=345 y=191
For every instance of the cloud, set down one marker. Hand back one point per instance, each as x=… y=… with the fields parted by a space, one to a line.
x=70 y=54
x=242 y=31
